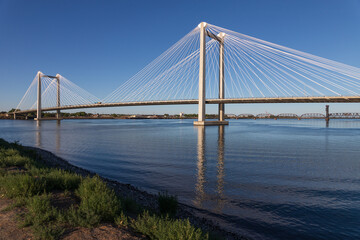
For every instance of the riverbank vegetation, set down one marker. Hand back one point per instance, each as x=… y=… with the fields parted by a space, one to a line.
x=54 y=201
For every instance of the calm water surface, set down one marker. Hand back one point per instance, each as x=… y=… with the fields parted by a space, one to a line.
x=266 y=179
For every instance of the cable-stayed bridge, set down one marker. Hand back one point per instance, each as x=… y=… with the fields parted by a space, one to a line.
x=209 y=65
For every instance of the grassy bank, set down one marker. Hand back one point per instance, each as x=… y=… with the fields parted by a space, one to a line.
x=55 y=200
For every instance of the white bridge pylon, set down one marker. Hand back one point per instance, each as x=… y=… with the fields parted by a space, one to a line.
x=211 y=65
x=202 y=77
x=52 y=92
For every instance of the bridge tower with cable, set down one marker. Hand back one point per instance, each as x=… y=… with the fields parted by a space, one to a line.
x=202 y=78
x=40 y=75
x=193 y=72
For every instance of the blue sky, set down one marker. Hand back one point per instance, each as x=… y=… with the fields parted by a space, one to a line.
x=100 y=44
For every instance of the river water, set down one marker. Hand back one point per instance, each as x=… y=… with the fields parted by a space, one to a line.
x=265 y=179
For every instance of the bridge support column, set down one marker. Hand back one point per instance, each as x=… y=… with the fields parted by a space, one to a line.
x=14 y=116
x=202 y=66
x=221 y=79
x=327 y=117
x=58 y=113
x=38 y=117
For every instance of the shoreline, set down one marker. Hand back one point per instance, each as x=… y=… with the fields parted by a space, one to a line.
x=198 y=217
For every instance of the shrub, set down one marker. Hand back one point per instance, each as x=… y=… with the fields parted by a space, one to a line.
x=12 y=158
x=167 y=204
x=122 y=220
x=58 y=179
x=77 y=217
x=22 y=185
x=163 y=228
x=39 y=210
x=38 y=181
x=98 y=203
x=42 y=218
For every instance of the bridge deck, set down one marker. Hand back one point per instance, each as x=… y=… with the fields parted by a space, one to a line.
x=338 y=99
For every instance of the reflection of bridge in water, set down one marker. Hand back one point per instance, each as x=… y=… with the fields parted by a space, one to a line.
x=200 y=187
x=201 y=194
x=38 y=137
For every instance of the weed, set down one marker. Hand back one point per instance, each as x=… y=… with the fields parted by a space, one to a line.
x=122 y=220
x=21 y=185
x=42 y=217
x=98 y=203
x=78 y=217
x=57 y=179
x=12 y=158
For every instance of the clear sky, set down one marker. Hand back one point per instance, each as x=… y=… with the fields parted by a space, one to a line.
x=100 y=44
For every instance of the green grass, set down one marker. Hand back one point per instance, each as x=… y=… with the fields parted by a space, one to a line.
x=31 y=184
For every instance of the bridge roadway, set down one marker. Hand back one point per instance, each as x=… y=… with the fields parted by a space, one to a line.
x=337 y=99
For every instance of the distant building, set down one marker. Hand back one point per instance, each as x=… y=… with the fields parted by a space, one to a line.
x=181 y=115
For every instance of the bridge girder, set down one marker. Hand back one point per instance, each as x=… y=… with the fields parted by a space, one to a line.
x=354 y=99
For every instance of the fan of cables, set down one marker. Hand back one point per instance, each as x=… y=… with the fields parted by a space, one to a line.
x=254 y=68
x=70 y=93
